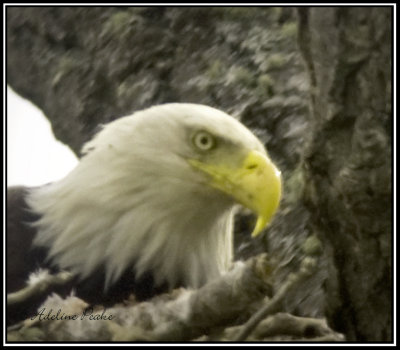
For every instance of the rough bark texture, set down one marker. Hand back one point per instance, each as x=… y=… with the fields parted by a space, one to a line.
x=348 y=162
x=85 y=66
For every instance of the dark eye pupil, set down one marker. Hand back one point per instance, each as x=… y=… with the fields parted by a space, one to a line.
x=204 y=140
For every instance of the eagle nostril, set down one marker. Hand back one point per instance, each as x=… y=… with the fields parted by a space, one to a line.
x=251 y=166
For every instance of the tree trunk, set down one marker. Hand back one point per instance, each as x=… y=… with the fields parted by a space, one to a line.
x=348 y=162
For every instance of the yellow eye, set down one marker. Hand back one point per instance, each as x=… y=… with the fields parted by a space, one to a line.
x=203 y=141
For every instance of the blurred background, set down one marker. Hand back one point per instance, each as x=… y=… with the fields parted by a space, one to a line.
x=34 y=156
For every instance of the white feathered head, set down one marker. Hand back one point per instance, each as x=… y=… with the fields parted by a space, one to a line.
x=156 y=191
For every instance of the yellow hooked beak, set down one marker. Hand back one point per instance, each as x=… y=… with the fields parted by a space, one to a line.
x=256 y=184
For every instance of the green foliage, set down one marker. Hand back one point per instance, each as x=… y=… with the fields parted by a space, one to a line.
x=289 y=29
x=265 y=85
x=312 y=246
x=275 y=61
x=294 y=186
x=243 y=76
x=215 y=70
x=119 y=24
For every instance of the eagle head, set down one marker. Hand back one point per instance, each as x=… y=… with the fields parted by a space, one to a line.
x=156 y=192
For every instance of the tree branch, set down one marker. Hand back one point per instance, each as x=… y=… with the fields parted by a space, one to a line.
x=307 y=267
x=43 y=287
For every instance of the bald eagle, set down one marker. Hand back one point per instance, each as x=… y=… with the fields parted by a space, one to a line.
x=149 y=207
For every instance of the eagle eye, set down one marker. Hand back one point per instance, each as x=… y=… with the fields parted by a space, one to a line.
x=203 y=141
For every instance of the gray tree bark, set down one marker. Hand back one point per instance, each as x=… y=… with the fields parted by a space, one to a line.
x=348 y=162
x=86 y=66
